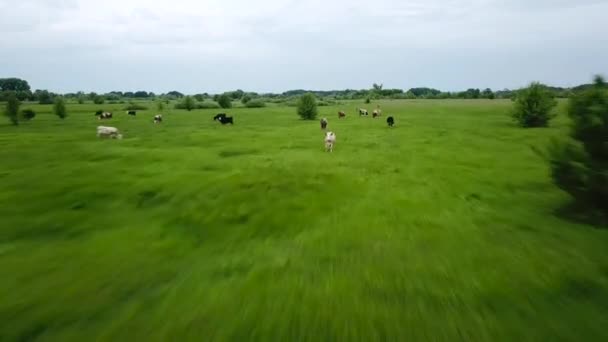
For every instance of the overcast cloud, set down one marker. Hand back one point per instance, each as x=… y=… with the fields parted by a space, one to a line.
x=276 y=45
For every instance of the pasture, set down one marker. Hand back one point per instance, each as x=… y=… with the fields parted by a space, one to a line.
x=446 y=227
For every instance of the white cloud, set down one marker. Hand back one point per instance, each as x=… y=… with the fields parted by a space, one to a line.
x=275 y=44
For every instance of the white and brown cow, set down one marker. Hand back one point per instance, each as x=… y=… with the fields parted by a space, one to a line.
x=158 y=118
x=330 y=141
x=108 y=132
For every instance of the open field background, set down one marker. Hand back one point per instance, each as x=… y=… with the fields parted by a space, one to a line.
x=445 y=228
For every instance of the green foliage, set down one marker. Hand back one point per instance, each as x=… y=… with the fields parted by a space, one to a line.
x=81 y=100
x=255 y=104
x=135 y=106
x=580 y=164
x=245 y=99
x=59 y=107
x=160 y=106
x=533 y=106
x=225 y=101
x=44 y=97
x=28 y=114
x=307 y=106
x=98 y=99
x=207 y=105
x=187 y=103
x=367 y=100
x=12 y=108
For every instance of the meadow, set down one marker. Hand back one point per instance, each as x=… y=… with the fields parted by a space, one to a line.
x=446 y=227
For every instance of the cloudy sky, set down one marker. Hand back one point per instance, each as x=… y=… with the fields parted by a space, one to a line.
x=276 y=45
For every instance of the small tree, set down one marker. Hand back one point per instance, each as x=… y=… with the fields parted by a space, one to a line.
x=59 y=107
x=307 y=106
x=160 y=106
x=533 y=106
x=245 y=99
x=98 y=99
x=225 y=101
x=188 y=103
x=580 y=165
x=12 y=108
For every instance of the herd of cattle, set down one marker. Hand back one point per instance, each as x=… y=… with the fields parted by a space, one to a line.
x=330 y=137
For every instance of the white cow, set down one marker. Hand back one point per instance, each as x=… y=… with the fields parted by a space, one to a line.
x=330 y=140
x=108 y=132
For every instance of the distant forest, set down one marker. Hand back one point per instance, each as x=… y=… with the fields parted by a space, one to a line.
x=24 y=93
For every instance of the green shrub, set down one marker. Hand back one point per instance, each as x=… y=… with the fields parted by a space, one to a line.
x=98 y=99
x=207 y=105
x=28 y=114
x=245 y=99
x=135 y=106
x=59 y=107
x=367 y=100
x=533 y=106
x=12 y=108
x=225 y=101
x=255 y=104
x=579 y=165
x=307 y=107
x=187 y=103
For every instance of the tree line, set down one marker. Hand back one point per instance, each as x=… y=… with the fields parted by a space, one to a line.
x=23 y=92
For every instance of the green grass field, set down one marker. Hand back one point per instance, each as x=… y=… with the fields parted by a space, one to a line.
x=444 y=228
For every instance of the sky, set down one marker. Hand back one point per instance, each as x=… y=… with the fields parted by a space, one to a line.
x=196 y=46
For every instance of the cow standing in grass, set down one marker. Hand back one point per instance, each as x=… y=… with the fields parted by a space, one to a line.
x=330 y=140
x=158 y=119
x=390 y=121
x=226 y=120
x=219 y=116
x=131 y=112
x=324 y=123
x=362 y=112
x=108 y=132
x=341 y=114
x=104 y=116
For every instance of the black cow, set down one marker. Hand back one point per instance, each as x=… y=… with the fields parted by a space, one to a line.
x=132 y=112
x=323 y=123
x=219 y=116
x=390 y=121
x=226 y=120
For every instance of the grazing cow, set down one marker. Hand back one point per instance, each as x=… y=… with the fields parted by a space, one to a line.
x=226 y=120
x=98 y=113
x=341 y=114
x=104 y=115
x=219 y=116
x=376 y=113
x=323 y=123
x=158 y=118
x=108 y=132
x=390 y=121
x=362 y=112
x=330 y=140
x=132 y=112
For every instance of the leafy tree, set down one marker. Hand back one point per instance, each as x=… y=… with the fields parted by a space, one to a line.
x=12 y=108
x=245 y=99
x=80 y=99
x=487 y=94
x=98 y=99
x=307 y=106
x=225 y=101
x=188 y=103
x=367 y=100
x=59 y=108
x=176 y=94
x=199 y=97
x=44 y=96
x=533 y=106
x=580 y=164
x=237 y=94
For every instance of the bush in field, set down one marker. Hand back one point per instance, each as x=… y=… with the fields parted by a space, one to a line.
x=59 y=108
x=12 y=108
x=580 y=164
x=245 y=99
x=187 y=103
x=255 y=104
x=307 y=107
x=80 y=99
x=98 y=99
x=533 y=106
x=160 y=106
x=207 y=105
x=367 y=100
x=28 y=114
x=135 y=106
x=225 y=101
